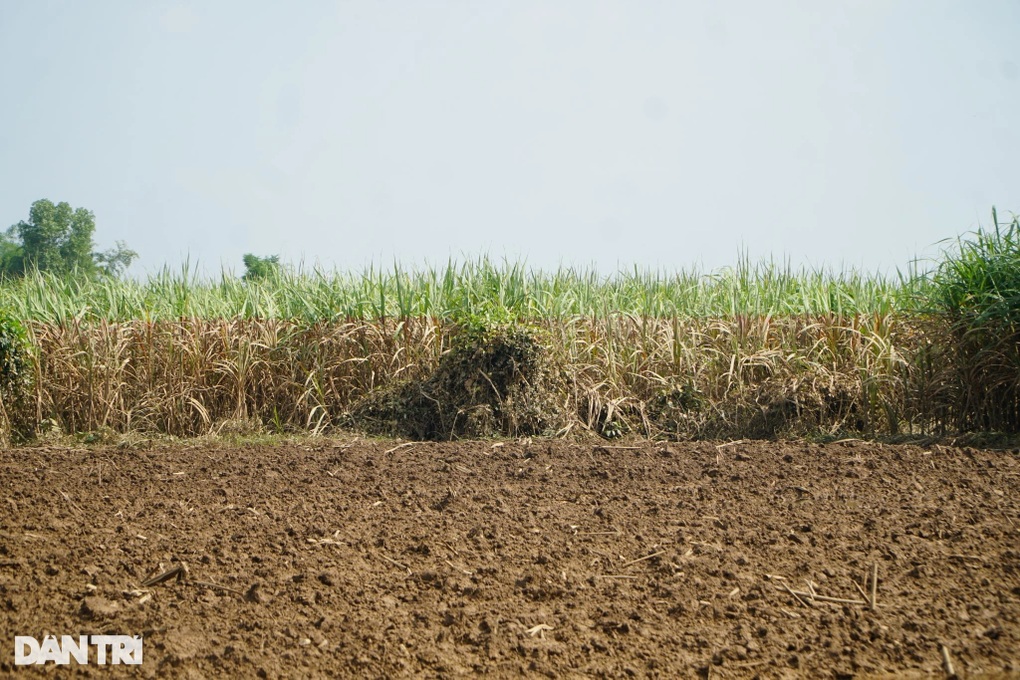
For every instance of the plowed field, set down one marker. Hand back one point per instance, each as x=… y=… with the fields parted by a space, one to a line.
x=544 y=558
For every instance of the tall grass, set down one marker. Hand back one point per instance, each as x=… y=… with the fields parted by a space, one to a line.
x=977 y=283
x=475 y=288
x=182 y=354
x=975 y=293
x=759 y=349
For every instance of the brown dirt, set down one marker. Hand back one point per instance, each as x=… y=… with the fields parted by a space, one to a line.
x=368 y=559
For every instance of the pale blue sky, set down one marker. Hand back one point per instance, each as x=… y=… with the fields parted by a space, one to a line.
x=661 y=134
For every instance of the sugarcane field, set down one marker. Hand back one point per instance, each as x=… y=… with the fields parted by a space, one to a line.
x=510 y=339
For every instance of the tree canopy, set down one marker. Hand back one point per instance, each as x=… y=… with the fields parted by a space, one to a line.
x=58 y=238
x=257 y=268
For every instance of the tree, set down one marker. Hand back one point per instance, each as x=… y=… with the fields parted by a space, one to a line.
x=10 y=253
x=58 y=238
x=257 y=268
x=114 y=261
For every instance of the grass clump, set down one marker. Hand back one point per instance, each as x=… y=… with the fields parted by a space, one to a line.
x=977 y=284
x=975 y=294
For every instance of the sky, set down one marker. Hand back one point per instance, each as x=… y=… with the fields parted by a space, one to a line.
x=657 y=134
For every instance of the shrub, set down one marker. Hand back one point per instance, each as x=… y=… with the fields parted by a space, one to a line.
x=14 y=356
x=15 y=364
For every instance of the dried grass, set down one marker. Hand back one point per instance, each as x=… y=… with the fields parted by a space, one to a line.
x=679 y=378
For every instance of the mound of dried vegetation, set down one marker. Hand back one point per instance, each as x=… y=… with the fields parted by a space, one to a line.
x=498 y=380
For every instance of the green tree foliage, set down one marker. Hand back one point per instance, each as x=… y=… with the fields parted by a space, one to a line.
x=10 y=253
x=259 y=268
x=116 y=260
x=58 y=239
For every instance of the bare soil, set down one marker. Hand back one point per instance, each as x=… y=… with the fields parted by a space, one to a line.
x=374 y=559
